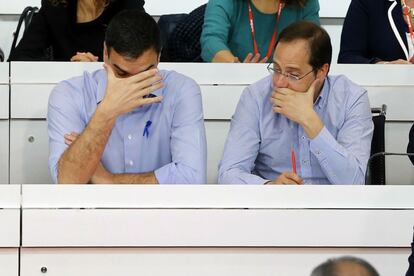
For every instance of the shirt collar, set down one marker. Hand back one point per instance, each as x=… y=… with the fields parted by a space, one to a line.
x=321 y=99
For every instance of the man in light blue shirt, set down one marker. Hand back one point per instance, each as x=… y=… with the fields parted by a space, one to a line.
x=129 y=123
x=299 y=126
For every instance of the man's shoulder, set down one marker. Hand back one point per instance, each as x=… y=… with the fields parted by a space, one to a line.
x=261 y=89
x=342 y=88
x=76 y=88
x=174 y=82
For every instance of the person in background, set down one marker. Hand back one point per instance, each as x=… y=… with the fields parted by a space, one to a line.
x=410 y=147
x=130 y=123
x=378 y=31
x=246 y=30
x=410 y=271
x=345 y=266
x=74 y=30
x=299 y=125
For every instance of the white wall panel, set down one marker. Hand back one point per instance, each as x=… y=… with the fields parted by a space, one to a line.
x=4 y=102
x=216 y=132
x=29 y=152
x=200 y=261
x=10 y=228
x=4 y=151
x=399 y=169
x=17 y=6
x=217 y=197
x=9 y=262
x=30 y=101
x=216 y=228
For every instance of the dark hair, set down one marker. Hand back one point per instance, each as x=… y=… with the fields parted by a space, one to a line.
x=98 y=3
x=299 y=3
x=131 y=32
x=318 y=40
x=330 y=267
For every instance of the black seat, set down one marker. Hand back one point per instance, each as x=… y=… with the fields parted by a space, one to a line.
x=376 y=164
x=26 y=18
x=183 y=43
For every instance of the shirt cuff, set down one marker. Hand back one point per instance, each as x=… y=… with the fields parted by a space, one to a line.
x=242 y=178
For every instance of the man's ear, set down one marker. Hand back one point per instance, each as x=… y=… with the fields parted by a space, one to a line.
x=323 y=72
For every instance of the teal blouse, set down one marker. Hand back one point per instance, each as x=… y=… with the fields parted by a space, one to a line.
x=226 y=26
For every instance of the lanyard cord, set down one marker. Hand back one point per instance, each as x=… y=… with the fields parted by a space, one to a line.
x=252 y=29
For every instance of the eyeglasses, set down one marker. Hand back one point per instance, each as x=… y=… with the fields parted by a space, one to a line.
x=290 y=77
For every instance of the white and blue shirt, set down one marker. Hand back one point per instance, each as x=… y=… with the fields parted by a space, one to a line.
x=258 y=147
x=167 y=138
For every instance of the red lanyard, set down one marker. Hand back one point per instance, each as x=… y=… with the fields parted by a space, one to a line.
x=273 y=40
x=406 y=13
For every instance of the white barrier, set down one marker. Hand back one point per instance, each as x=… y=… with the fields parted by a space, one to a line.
x=66 y=230
x=9 y=230
x=221 y=86
x=4 y=123
x=211 y=229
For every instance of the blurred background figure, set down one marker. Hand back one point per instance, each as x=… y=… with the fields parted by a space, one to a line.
x=410 y=271
x=345 y=266
x=69 y=30
x=377 y=31
x=247 y=30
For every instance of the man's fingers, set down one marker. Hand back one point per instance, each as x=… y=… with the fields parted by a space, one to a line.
x=150 y=89
x=149 y=82
x=91 y=56
x=283 y=91
x=294 y=177
x=147 y=101
x=143 y=76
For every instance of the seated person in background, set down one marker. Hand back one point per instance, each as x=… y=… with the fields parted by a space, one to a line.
x=345 y=266
x=410 y=271
x=246 y=30
x=74 y=30
x=410 y=147
x=299 y=109
x=129 y=123
x=376 y=31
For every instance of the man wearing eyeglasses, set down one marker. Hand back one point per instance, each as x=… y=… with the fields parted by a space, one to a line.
x=299 y=125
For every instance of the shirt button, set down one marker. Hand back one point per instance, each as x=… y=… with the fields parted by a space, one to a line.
x=304 y=162
x=129 y=136
x=303 y=137
x=131 y=163
x=318 y=152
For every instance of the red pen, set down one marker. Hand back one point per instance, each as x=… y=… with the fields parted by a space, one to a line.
x=293 y=159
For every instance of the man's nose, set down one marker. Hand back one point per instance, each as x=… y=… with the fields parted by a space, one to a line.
x=281 y=81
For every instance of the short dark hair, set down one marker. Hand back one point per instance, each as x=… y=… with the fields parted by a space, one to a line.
x=298 y=3
x=318 y=39
x=131 y=32
x=329 y=268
